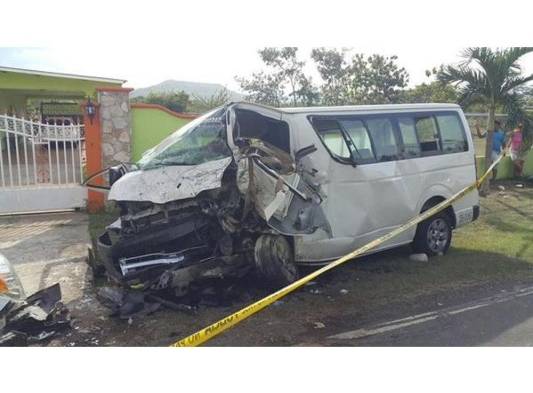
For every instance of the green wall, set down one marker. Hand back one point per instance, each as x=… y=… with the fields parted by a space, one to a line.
x=150 y=126
x=505 y=167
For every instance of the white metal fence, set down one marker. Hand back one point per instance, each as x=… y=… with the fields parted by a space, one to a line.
x=41 y=165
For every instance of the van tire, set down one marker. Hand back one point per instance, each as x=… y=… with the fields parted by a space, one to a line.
x=273 y=257
x=434 y=235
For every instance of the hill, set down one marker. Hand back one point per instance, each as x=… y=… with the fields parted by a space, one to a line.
x=200 y=89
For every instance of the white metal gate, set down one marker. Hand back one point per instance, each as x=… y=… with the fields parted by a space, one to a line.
x=41 y=166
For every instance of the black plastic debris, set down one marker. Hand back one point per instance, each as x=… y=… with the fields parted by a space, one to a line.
x=126 y=303
x=13 y=339
x=39 y=317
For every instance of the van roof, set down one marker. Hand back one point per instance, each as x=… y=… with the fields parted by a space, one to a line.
x=352 y=108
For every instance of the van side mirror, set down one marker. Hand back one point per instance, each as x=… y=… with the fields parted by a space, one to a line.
x=304 y=151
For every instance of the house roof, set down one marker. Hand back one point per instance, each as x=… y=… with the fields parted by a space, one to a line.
x=63 y=75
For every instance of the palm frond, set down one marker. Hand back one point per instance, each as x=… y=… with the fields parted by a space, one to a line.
x=468 y=97
x=515 y=82
x=469 y=79
x=510 y=57
x=498 y=65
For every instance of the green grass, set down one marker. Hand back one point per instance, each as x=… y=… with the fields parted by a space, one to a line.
x=98 y=222
x=505 y=226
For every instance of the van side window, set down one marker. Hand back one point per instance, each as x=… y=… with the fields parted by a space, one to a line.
x=428 y=136
x=382 y=134
x=452 y=134
x=331 y=134
x=359 y=135
x=411 y=148
x=372 y=138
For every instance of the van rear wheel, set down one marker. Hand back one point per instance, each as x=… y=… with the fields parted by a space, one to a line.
x=273 y=257
x=434 y=235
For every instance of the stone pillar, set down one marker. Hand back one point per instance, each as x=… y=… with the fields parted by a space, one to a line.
x=115 y=120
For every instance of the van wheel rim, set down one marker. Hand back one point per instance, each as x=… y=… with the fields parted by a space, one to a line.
x=437 y=236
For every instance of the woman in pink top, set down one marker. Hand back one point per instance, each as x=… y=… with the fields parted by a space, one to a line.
x=515 y=144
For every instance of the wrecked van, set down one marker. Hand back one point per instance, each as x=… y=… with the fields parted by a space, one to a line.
x=249 y=187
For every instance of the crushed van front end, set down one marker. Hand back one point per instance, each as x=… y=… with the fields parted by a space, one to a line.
x=211 y=212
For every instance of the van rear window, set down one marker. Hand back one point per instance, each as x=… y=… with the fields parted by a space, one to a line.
x=452 y=135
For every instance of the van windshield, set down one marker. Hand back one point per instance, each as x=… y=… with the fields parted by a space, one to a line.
x=201 y=140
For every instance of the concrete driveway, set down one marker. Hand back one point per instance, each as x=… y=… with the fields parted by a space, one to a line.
x=48 y=248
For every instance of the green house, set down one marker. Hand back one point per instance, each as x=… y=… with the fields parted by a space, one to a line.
x=34 y=93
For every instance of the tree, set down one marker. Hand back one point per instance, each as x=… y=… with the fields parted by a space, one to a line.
x=285 y=82
x=264 y=88
x=492 y=77
x=334 y=70
x=374 y=79
x=175 y=101
x=377 y=79
x=204 y=104
x=430 y=92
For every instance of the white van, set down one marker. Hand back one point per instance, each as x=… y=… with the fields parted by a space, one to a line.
x=250 y=186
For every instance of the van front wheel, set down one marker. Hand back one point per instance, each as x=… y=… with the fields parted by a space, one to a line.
x=274 y=259
x=434 y=235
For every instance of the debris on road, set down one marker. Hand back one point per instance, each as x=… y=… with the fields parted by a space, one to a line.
x=343 y=291
x=37 y=318
x=419 y=257
x=319 y=325
x=126 y=303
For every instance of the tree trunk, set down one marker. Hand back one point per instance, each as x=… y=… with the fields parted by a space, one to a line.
x=488 y=147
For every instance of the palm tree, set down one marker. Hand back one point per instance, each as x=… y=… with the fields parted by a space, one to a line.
x=492 y=77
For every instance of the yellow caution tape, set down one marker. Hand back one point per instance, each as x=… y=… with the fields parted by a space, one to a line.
x=220 y=326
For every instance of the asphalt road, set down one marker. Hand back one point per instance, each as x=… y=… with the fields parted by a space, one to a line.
x=505 y=319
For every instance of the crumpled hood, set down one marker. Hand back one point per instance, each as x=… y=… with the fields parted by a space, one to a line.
x=169 y=183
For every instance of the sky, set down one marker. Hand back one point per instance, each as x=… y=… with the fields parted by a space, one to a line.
x=143 y=67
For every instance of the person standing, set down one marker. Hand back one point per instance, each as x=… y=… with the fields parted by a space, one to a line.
x=498 y=142
x=515 y=146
